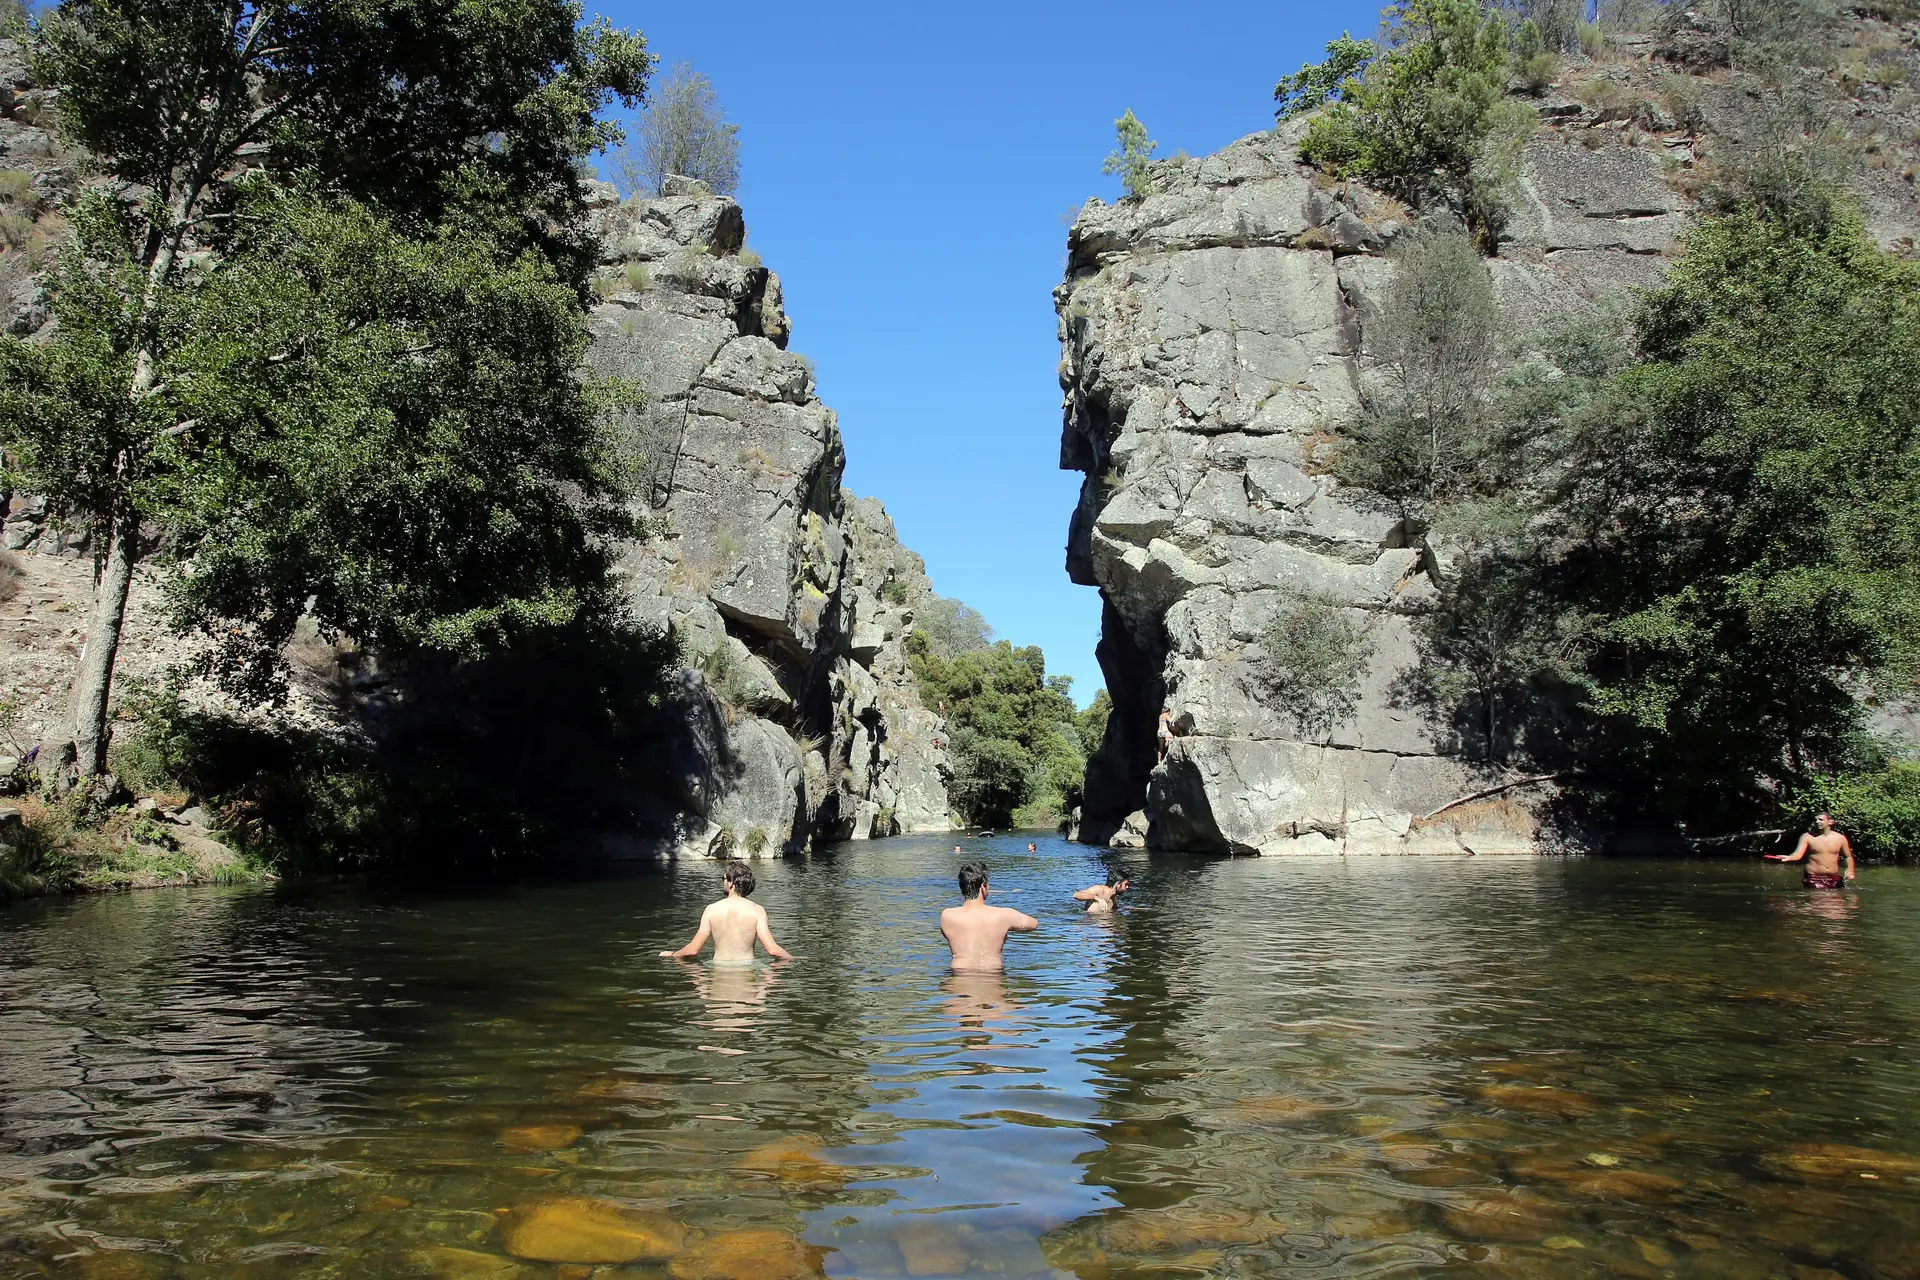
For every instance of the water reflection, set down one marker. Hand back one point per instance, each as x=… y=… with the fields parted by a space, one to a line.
x=734 y=996
x=1256 y=1068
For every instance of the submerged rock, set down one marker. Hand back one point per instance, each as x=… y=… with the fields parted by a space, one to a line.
x=756 y=1254
x=585 y=1229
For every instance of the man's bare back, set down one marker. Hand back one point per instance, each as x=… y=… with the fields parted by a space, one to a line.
x=734 y=923
x=975 y=931
x=1822 y=851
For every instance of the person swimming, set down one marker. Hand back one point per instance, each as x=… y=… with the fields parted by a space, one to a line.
x=1101 y=899
x=1822 y=854
x=975 y=931
x=733 y=923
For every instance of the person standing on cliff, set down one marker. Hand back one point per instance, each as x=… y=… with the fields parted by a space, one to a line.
x=1822 y=851
x=1164 y=735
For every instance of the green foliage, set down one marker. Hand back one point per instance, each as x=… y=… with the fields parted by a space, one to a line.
x=1429 y=116
x=894 y=591
x=951 y=627
x=1310 y=661
x=1879 y=809
x=1424 y=431
x=1318 y=83
x=1747 y=501
x=432 y=107
x=1092 y=722
x=1781 y=154
x=1015 y=733
x=1133 y=158
x=350 y=424
x=684 y=131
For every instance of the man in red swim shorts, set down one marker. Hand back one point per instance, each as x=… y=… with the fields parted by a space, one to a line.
x=1822 y=850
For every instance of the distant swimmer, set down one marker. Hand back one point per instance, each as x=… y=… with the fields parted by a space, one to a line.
x=1822 y=853
x=733 y=923
x=976 y=931
x=1032 y=847
x=1101 y=899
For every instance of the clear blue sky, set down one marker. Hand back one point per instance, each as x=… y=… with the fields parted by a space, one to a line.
x=909 y=170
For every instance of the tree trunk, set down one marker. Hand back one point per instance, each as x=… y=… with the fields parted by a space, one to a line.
x=93 y=682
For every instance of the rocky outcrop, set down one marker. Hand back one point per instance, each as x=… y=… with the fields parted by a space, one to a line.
x=1215 y=335
x=797 y=718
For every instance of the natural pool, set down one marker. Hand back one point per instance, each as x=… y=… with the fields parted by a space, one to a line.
x=1262 y=1068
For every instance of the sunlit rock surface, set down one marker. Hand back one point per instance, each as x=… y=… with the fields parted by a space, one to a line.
x=1215 y=336
x=798 y=718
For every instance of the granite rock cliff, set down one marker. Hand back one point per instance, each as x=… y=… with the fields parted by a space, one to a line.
x=1214 y=335
x=798 y=716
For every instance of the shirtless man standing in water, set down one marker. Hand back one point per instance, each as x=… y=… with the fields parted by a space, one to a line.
x=1101 y=899
x=976 y=931
x=734 y=924
x=1822 y=853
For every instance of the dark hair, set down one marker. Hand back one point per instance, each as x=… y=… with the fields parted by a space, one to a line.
x=973 y=875
x=740 y=876
x=1115 y=877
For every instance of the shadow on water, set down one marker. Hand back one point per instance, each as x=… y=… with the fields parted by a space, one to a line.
x=1259 y=1067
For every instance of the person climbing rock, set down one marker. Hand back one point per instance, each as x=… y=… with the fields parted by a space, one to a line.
x=1165 y=734
x=733 y=923
x=1822 y=853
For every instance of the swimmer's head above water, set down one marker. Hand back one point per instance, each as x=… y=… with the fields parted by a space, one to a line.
x=973 y=879
x=738 y=879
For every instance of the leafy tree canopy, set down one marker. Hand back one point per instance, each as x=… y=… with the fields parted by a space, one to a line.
x=1016 y=733
x=1428 y=115
x=1747 y=506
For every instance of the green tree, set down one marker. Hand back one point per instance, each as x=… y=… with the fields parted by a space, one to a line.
x=683 y=130
x=952 y=627
x=1743 y=516
x=1318 y=83
x=1310 y=660
x=1093 y=722
x=1425 y=428
x=433 y=110
x=1133 y=158
x=1429 y=116
x=1015 y=730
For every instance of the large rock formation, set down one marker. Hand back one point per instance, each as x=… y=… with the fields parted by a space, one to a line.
x=1215 y=334
x=798 y=717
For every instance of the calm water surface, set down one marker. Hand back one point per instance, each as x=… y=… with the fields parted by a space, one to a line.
x=1262 y=1068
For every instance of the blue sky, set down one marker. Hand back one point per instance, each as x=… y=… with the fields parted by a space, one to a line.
x=909 y=170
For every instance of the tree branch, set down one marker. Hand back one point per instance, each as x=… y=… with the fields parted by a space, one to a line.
x=1494 y=791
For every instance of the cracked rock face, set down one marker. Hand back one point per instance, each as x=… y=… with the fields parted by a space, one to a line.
x=1214 y=338
x=798 y=718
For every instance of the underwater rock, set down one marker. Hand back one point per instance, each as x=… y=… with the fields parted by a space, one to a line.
x=539 y=1137
x=585 y=1229
x=761 y=1253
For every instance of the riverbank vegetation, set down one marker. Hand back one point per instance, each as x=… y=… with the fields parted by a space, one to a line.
x=340 y=399
x=1016 y=740
x=1678 y=535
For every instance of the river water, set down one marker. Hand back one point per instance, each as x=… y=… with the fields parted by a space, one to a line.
x=1555 y=1068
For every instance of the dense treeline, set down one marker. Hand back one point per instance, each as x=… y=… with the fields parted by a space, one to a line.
x=1018 y=745
x=1679 y=534
x=317 y=355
